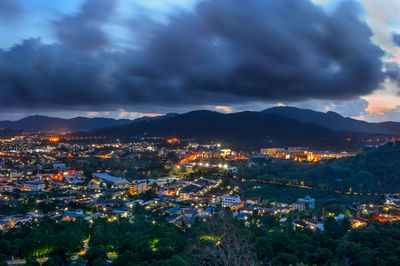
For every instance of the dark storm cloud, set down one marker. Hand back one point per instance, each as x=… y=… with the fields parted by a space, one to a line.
x=396 y=39
x=226 y=51
x=85 y=29
x=268 y=50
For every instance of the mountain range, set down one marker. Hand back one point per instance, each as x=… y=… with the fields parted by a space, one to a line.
x=54 y=124
x=273 y=126
x=244 y=128
x=335 y=121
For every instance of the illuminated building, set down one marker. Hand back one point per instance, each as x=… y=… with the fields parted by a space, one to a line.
x=230 y=200
x=109 y=179
x=34 y=186
x=137 y=188
x=272 y=151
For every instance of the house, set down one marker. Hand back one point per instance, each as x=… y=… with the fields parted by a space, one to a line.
x=72 y=216
x=168 y=192
x=115 y=182
x=299 y=224
x=34 y=185
x=186 y=192
x=271 y=211
x=137 y=188
x=313 y=224
x=132 y=203
x=307 y=202
x=189 y=219
x=208 y=211
x=393 y=202
x=248 y=208
x=174 y=210
x=7 y=186
x=118 y=213
x=174 y=218
x=236 y=206
x=230 y=200
x=252 y=200
x=358 y=222
x=242 y=216
x=10 y=221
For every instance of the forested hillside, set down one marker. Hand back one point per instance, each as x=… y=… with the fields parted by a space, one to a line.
x=375 y=170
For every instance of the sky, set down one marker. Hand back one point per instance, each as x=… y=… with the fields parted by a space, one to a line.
x=131 y=58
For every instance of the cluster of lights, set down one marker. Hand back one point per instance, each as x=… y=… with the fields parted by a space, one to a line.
x=54 y=139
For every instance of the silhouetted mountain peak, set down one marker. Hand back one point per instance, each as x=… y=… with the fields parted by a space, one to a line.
x=330 y=120
x=46 y=123
x=242 y=127
x=334 y=121
x=334 y=114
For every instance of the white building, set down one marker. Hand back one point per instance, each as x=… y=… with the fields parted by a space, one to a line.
x=109 y=179
x=7 y=187
x=230 y=200
x=303 y=203
x=137 y=188
x=34 y=186
x=313 y=224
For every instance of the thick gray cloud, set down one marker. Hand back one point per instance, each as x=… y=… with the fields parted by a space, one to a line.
x=225 y=52
x=396 y=39
x=85 y=29
x=9 y=10
x=393 y=71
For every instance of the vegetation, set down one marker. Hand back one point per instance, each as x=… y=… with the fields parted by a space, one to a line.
x=288 y=194
x=148 y=239
x=46 y=237
x=374 y=171
x=145 y=165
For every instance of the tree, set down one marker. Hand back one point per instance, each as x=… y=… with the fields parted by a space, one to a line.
x=58 y=257
x=31 y=261
x=3 y=260
x=334 y=228
x=96 y=256
x=127 y=258
x=285 y=259
x=321 y=256
x=222 y=240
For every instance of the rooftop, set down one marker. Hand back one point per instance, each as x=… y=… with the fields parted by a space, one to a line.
x=110 y=178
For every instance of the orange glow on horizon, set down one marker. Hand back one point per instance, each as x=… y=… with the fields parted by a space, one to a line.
x=223 y=108
x=379 y=104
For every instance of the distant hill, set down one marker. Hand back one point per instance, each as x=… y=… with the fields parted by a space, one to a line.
x=45 y=123
x=53 y=124
x=243 y=127
x=374 y=170
x=9 y=132
x=335 y=121
x=150 y=118
x=278 y=126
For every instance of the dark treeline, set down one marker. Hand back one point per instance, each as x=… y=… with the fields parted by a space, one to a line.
x=146 y=165
x=372 y=171
x=147 y=239
x=46 y=237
